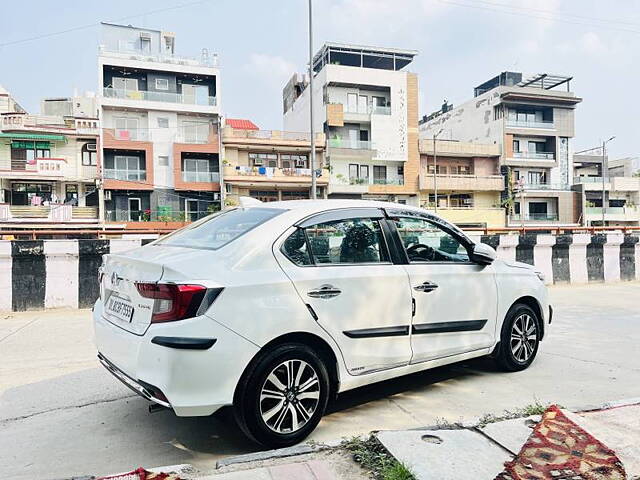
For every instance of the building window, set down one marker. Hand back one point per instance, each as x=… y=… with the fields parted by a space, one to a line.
x=195 y=94
x=352 y=102
x=162 y=84
x=163 y=160
x=293 y=161
x=89 y=155
x=127 y=168
x=516 y=146
x=264 y=160
x=353 y=172
x=197 y=170
x=264 y=195
x=34 y=194
x=195 y=131
x=379 y=174
x=126 y=128
x=163 y=122
x=364 y=173
x=126 y=84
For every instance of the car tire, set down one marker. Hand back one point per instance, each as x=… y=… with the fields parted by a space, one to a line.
x=278 y=405
x=519 y=339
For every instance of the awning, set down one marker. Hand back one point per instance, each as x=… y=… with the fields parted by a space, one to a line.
x=33 y=136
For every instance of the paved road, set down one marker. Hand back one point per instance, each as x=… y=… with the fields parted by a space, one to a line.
x=61 y=415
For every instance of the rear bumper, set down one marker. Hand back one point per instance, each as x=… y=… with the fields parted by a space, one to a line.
x=176 y=370
x=142 y=390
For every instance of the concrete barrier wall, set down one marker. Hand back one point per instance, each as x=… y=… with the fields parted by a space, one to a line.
x=64 y=273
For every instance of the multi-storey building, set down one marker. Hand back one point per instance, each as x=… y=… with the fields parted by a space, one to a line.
x=367 y=106
x=270 y=165
x=49 y=164
x=466 y=177
x=617 y=195
x=160 y=119
x=532 y=120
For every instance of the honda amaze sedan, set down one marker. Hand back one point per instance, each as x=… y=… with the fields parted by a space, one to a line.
x=276 y=308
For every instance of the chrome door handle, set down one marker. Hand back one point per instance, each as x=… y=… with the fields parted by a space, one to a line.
x=426 y=287
x=325 y=291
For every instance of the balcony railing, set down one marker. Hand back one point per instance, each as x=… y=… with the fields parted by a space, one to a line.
x=370 y=110
x=537 y=217
x=548 y=124
x=350 y=143
x=546 y=186
x=388 y=181
x=535 y=155
x=462 y=182
x=154 y=215
x=607 y=210
x=267 y=171
x=201 y=177
x=167 y=97
x=127 y=175
x=119 y=51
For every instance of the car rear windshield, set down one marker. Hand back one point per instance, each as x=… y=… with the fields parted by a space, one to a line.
x=220 y=229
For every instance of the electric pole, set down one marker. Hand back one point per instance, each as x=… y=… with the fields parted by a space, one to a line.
x=313 y=135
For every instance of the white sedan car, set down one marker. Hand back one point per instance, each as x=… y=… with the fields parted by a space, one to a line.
x=276 y=308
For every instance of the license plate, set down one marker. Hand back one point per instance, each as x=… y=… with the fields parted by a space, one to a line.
x=120 y=308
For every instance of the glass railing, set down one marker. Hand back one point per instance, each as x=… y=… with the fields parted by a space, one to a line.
x=203 y=177
x=127 y=175
x=388 y=181
x=549 y=217
x=584 y=179
x=349 y=143
x=370 y=110
x=607 y=210
x=530 y=124
x=546 y=186
x=167 y=97
x=535 y=155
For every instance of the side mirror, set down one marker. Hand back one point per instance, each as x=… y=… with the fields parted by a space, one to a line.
x=483 y=254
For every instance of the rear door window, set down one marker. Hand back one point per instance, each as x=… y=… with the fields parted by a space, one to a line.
x=218 y=230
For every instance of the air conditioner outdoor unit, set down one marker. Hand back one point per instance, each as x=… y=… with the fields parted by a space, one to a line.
x=258 y=162
x=91 y=147
x=300 y=163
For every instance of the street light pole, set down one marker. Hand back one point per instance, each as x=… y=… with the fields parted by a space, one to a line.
x=313 y=136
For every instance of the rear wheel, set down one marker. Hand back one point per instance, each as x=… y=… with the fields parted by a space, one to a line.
x=519 y=340
x=283 y=396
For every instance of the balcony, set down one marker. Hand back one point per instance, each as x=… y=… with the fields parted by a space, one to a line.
x=546 y=186
x=37 y=168
x=620 y=184
x=534 y=217
x=201 y=177
x=388 y=181
x=274 y=175
x=535 y=155
x=544 y=124
x=126 y=175
x=154 y=216
x=462 y=182
x=47 y=214
x=165 y=97
x=349 y=143
x=271 y=137
x=613 y=214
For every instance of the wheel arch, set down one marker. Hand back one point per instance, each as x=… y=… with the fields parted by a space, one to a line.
x=317 y=343
x=534 y=305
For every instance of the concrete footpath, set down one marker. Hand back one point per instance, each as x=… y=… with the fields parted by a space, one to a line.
x=473 y=450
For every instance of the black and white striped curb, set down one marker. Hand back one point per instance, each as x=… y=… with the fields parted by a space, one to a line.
x=42 y=274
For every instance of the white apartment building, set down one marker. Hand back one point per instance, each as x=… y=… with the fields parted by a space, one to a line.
x=366 y=104
x=532 y=120
x=160 y=116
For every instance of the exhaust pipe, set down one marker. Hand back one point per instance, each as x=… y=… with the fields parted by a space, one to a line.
x=155 y=407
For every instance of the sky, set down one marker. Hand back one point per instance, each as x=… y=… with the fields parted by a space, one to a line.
x=260 y=43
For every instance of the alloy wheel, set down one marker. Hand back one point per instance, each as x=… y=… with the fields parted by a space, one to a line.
x=289 y=396
x=524 y=336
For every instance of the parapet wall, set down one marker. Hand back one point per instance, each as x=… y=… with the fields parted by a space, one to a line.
x=64 y=273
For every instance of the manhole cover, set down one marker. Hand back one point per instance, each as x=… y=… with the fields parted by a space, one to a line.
x=431 y=439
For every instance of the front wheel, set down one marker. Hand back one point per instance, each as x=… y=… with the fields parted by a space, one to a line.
x=519 y=339
x=282 y=398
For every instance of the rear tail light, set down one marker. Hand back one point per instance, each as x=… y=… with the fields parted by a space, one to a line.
x=177 y=302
